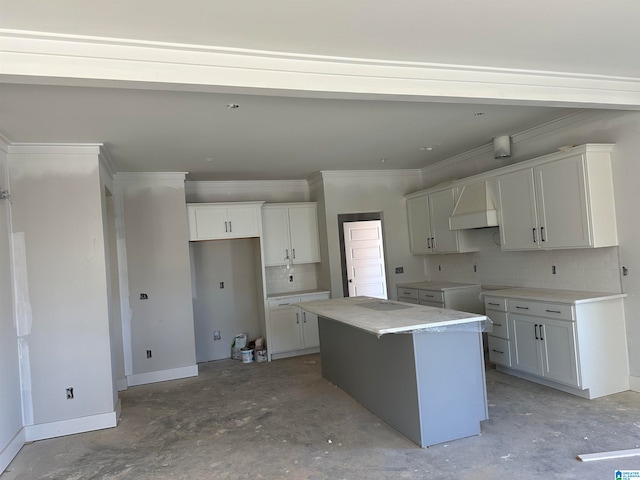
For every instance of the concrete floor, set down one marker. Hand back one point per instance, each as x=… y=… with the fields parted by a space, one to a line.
x=283 y=420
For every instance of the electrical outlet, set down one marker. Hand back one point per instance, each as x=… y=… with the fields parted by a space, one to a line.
x=216 y=335
x=70 y=393
x=399 y=269
x=148 y=353
x=144 y=296
x=221 y=284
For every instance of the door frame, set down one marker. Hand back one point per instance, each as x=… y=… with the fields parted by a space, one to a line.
x=357 y=217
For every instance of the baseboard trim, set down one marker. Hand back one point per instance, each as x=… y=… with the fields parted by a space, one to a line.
x=71 y=426
x=12 y=448
x=122 y=384
x=295 y=353
x=634 y=383
x=162 y=375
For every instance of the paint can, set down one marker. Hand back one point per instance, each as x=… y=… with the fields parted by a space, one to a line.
x=247 y=355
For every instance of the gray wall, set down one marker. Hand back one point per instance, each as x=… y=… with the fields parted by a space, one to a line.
x=360 y=192
x=57 y=210
x=10 y=399
x=157 y=250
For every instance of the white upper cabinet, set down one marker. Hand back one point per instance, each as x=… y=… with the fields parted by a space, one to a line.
x=290 y=234
x=564 y=202
x=211 y=221
x=428 y=217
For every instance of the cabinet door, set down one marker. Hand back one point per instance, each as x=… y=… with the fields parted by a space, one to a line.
x=285 y=329
x=518 y=216
x=207 y=222
x=419 y=224
x=303 y=230
x=275 y=236
x=243 y=222
x=559 y=360
x=441 y=206
x=310 y=334
x=562 y=203
x=526 y=343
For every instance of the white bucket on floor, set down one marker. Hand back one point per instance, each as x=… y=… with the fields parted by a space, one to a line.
x=247 y=355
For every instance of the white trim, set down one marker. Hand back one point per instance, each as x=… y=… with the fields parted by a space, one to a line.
x=162 y=375
x=122 y=384
x=12 y=448
x=72 y=426
x=195 y=190
x=634 y=383
x=345 y=174
x=4 y=143
x=150 y=176
x=66 y=59
x=55 y=148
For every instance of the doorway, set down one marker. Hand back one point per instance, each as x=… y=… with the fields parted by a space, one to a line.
x=362 y=255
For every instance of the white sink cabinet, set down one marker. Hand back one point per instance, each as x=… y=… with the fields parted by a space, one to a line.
x=292 y=331
x=572 y=341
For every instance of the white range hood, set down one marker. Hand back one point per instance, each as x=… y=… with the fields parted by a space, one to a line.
x=475 y=208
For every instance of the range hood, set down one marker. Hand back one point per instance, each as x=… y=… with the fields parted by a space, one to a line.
x=475 y=208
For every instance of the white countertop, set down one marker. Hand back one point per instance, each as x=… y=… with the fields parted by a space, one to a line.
x=441 y=286
x=559 y=296
x=295 y=294
x=384 y=318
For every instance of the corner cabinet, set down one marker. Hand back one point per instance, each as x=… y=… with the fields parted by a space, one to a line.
x=564 y=200
x=292 y=331
x=212 y=221
x=290 y=234
x=572 y=344
x=428 y=218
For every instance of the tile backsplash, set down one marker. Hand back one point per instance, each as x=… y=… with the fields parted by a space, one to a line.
x=596 y=269
x=304 y=278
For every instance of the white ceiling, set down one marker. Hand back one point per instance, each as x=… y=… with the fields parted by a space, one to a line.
x=288 y=136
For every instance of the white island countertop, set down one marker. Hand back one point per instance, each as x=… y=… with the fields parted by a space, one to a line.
x=380 y=317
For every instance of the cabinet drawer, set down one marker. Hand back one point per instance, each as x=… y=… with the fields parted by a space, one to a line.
x=407 y=293
x=282 y=302
x=541 y=309
x=431 y=296
x=495 y=303
x=500 y=325
x=499 y=351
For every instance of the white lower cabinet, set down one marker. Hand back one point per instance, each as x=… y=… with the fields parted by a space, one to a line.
x=545 y=347
x=573 y=345
x=292 y=331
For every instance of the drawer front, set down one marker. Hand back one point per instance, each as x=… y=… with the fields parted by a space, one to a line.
x=313 y=297
x=495 y=303
x=284 y=302
x=407 y=293
x=427 y=303
x=541 y=309
x=499 y=351
x=431 y=296
x=500 y=324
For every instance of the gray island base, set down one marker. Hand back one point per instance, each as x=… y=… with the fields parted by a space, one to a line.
x=426 y=379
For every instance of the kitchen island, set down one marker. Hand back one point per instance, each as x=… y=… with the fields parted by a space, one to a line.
x=418 y=368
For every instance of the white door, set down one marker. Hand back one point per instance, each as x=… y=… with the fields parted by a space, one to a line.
x=365 y=258
x=519 y=218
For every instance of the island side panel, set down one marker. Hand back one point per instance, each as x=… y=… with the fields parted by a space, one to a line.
x=379 y=373
x=451 y=384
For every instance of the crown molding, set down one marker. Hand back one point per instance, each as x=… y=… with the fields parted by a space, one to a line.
x=349 y=174
x=150 y=178
x=204 y=185
x=60 y=59
x=56 y=148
